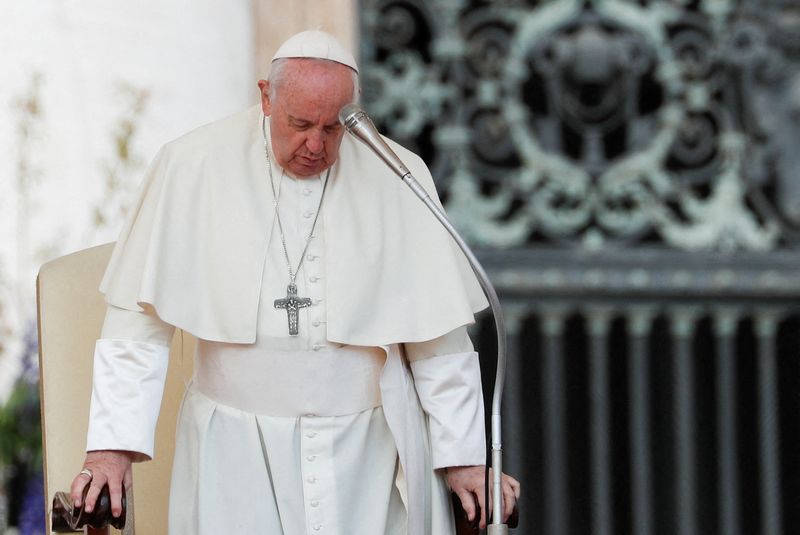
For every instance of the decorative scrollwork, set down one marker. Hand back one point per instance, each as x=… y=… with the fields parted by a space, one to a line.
x=596 y=123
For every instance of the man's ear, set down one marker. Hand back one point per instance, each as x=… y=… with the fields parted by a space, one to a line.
x=266 y=105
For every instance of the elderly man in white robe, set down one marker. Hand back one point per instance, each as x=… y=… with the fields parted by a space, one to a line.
x=335 y=388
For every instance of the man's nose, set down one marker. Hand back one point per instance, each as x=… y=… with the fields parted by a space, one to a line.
x=315 y=141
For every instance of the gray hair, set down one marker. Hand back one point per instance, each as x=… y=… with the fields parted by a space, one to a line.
x=277 y=76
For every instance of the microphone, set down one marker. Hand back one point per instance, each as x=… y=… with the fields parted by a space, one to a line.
x=358 y=123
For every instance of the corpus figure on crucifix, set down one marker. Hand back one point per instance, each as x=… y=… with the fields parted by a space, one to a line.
x=292 y=303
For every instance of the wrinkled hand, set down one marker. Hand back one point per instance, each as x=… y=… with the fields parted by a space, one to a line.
x=107 y=466
x=468 y=484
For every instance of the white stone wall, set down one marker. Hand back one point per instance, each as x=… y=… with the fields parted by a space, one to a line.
x=189 y=61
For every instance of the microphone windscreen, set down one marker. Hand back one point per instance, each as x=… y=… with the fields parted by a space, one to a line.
x=348 y=113
x=358 y=123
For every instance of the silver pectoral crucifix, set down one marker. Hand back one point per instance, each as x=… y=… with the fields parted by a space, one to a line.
x=292 y=303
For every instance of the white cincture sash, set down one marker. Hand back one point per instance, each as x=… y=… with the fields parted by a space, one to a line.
x=328 y=381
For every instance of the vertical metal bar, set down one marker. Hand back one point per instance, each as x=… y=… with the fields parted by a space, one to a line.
x=599 y=319
x=725 y=324
x=768 y=418
x=555 y=443
x=683 y=328
x=514 y=409
x=639 y=327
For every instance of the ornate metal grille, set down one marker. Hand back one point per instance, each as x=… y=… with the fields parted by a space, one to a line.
x=630 y=171
x=597 y=123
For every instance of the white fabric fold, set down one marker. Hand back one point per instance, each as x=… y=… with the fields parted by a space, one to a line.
x=236 y=472
x=128 y=385
x=456 y=341
x=449 y=389
x=121 y=324
x=196 y=243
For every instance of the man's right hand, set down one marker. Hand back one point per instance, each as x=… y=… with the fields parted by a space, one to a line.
x=112 y=467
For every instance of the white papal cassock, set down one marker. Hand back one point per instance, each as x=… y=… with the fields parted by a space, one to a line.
x=289 y=434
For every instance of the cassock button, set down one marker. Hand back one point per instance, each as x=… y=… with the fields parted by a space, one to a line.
x=317 y=527
x=311 y=458
x=314 y=503
x=311 y=434
x=315 y=323
x=311 y=479
x=306 y=191
x=307 y=214
x=310 y=257
x=313 y=278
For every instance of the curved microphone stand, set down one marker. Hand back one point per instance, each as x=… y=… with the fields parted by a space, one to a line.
x=359 y=125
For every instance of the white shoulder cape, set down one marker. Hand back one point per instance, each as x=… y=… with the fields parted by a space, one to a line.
x=195 y=243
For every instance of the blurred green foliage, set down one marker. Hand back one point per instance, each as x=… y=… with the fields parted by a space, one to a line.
x=21 y=429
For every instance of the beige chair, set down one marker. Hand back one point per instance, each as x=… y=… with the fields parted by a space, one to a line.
x=70 y=314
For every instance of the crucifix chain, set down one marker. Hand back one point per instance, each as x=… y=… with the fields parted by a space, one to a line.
x=292 y=302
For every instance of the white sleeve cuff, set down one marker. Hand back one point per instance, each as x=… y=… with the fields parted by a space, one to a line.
x=449 y=388
x=128 y=385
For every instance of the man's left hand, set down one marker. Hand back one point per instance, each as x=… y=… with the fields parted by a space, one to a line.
x=468 y=484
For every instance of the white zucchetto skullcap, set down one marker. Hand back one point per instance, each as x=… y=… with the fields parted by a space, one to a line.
x=316 y=44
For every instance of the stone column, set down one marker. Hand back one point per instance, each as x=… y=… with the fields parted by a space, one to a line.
x=275 y=21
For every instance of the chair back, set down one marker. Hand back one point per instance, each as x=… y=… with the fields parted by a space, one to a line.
x=70 y=317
